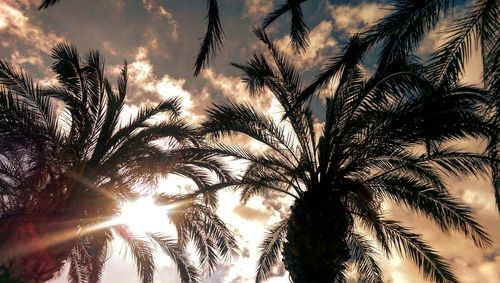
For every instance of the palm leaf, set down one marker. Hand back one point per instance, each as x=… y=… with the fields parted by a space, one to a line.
x=270 y=250
x=212 y=40
x=141 y=252
x=188 y=273
x=47 y=3
x=405 y=27
x=411 y=245
x=364 y=259
x=448 y=63
x=298 y=28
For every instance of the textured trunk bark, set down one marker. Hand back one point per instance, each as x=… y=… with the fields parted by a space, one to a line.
x=315 y=250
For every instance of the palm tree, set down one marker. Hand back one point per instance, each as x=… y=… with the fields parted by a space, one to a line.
x=211 y=43
x=67 y=162
x=400 y=33
x=368 y=152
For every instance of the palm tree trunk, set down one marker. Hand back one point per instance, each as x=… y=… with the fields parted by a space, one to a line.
x=315 y=250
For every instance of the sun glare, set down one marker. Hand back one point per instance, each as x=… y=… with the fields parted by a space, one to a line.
x=143 y=215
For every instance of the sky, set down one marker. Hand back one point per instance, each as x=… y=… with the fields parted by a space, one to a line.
x=159 y=40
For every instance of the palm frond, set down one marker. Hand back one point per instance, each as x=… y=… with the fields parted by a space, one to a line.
x=213 y=38
x=350 y=57
x=289 y=75
x=231 y=118
x=402 y=31
x=448 y=63
x=270 y=250
x=298 y=28
x=256 y=70
x=141 y=252
x=211 y=238
x=364 y=259
x=98 y=252
x=30 y=98
x=411 y=245
x=188 y=273
x=77 y=272
x=447 y=212
x=68 y=69
x=47 y=3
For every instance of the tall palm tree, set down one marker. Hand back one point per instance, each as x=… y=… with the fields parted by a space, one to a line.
x=67 y=162
x=400 y=34
x=367 y=152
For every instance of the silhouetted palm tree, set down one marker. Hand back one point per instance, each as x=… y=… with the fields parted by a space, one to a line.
x=369 y=151
x=400 y=34
x=67 y=162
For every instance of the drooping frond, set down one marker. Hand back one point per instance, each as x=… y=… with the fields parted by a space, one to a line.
x=141 y=252
x=437 y=205
x=187 y=272
x=97 y=249
x=350 y=57
x=232 y=118
x=402 y=30
x=270 y=250
x=364 y=259
x=390 y=234
x=258 y=179
x=213 y=37
x=298 y=28
x=28 y=98
x=78 y=272
x=47 y=3
x=199 y=225
x=479 y=23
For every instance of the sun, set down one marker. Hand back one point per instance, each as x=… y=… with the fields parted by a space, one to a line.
x=144 y=215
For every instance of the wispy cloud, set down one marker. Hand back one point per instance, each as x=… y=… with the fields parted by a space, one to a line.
x=354 y=18
x=321 y=46
x=15 y=23
x=255 y=9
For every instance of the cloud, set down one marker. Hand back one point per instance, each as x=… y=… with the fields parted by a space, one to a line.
x=433 y=39
x=171 y=21
x=254 y=9
x=13 y=22
x=251 y=213
x=148 y=4
x=321 y=45
x=152 y=88
x=32 y=58
x=28 y=43
x=234 y=89
x=162 y=12
x=352 y=19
